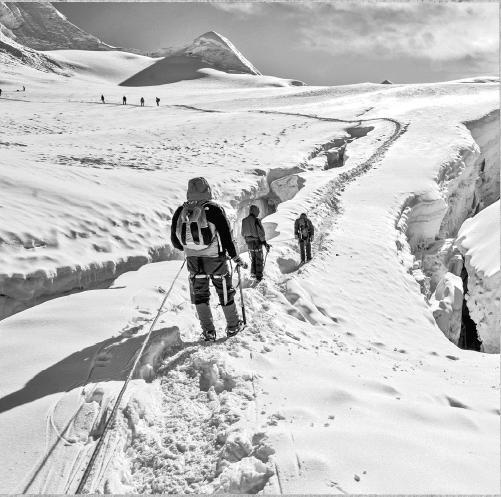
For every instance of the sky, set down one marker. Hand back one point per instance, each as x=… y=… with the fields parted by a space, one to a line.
x=319 y=43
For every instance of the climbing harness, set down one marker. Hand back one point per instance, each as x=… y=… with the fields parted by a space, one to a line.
x=221 y=277
x=110 y=420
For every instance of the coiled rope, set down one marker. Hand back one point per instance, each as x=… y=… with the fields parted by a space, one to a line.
x=109 y=421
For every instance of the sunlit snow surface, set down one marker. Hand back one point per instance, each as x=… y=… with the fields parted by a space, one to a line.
x=342 y=381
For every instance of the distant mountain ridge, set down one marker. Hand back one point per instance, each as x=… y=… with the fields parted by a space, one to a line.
x=40 y=26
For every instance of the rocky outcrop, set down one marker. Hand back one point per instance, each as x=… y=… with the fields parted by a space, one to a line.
x=14 y=53
x=40 y=26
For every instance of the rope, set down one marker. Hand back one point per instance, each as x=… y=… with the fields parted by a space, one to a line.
x=113 y=414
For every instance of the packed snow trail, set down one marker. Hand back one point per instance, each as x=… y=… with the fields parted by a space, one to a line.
x=180 y=360
x=111 y=418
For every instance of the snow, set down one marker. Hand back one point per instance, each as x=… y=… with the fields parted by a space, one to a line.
x=39 y=25
x=479 y=242
x=342 y=379
x=214 y=48
x=108 y=66
x=479 y=236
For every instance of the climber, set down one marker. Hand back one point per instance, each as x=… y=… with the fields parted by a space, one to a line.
x=124 y=100
x=200 y=229
x=157 y=100
x=304 y=232
x=102 y=99
x=142 y=102
x=253 y=232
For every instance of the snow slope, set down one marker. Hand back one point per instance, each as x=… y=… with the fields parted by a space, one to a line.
x=209 y=51
x=39 y=25
x=479 y=241
x=342 y=382
x=13 y=53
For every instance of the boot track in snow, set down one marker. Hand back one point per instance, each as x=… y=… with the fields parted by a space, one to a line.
x=195 y=373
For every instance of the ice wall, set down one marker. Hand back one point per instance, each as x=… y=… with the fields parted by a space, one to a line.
x=479 y=242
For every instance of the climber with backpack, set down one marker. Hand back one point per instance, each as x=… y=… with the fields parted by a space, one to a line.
x=304 y=232
x=255 y=238
x=200 y=229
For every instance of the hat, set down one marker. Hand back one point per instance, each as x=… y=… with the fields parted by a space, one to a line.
x=254 y=209
x=198 y=189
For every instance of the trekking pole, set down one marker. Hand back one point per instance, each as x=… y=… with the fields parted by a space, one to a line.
x=244 y=319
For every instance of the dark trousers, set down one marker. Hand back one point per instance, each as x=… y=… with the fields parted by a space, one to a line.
x=255 y=248
x=202 y=269
x=305 y=247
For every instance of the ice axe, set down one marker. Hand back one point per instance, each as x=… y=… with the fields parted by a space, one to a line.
x=244 y=319
x=268 y=247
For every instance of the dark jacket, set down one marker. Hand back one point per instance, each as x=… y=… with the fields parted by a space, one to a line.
x=215 y=214
x=252 y=229
x=308 y=228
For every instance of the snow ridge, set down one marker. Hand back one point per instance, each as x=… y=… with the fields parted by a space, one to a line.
x=220 y=53
x=39 y=25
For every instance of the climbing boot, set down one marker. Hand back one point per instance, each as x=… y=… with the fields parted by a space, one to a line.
x=231 y=315
x=233 y=330
x=209 y=336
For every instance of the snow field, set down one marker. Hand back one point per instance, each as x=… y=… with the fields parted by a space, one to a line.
x=342 y=381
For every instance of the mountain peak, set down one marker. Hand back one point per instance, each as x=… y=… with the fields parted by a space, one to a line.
x=220 y=53
x=40 y=26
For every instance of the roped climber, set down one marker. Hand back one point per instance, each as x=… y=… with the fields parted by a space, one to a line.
x=304 y=232
x=200 y=229
x=255 y=238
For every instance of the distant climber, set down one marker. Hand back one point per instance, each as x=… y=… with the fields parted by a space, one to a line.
x=24 y=89
x=255 y=238
x=157 y=100
x=124 y=100
x=200 y=229
x=142 y=102
x=102 y=99
x=304 y=232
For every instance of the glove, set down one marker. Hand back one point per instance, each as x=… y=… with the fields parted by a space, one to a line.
x=268 y=246
x=239 y=262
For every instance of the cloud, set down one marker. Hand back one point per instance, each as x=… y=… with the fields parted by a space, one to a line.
x=239 y=8
x=435 y=31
